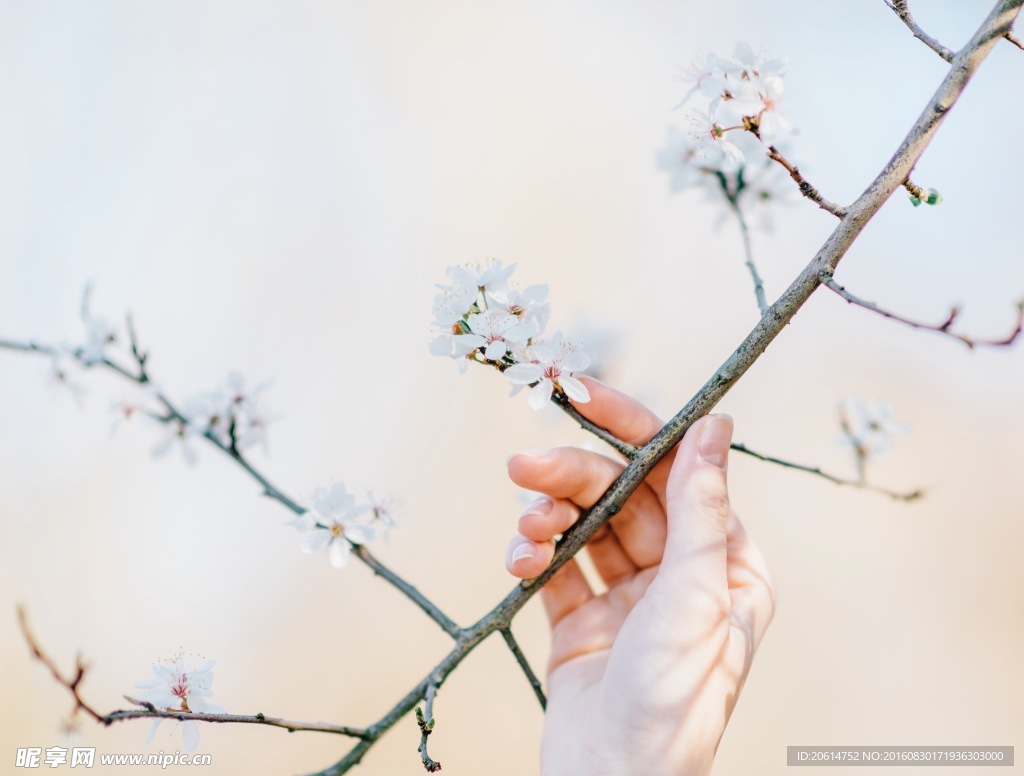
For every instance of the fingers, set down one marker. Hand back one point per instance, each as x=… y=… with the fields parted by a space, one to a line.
x=531 y=551
x=692 y=579
x=565 y=592
x=629 y=420
x=581 y=477
x=751 y=591
x=618 y=413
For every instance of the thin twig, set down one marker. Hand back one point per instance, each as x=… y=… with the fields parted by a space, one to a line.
x=531 y=677
x=1014 y=40
x=149 y=711
x=71 y=684
x=425 y=720
x=903 y=11
x=806 y=188
x=941 y=328
x=898 y=496
x=748 y=252
x=626 y=449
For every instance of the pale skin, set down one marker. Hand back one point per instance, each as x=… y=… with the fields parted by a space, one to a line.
x=644 y=677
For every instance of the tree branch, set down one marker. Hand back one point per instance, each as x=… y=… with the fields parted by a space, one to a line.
x=269 y=490
x=898 y=496
x=624 y=448
x=732 y=197
x=772 y=322
x=531 y=677
x=806 y=188
x=941 y=328
x=149 y=711
x=425 y=720
x=903 y=11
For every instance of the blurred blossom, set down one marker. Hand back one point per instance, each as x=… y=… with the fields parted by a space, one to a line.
x=59 y=377
x=868 y=428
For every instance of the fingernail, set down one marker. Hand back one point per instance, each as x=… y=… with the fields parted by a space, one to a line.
x=527 y=454
x=715 y=440
x=524 y=551
x=539 y=507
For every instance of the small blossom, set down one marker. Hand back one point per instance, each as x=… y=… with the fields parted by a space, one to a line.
x=331 y=522
x=488 y=276
x=177 y=432
x=207 y=414
x=528 y=305
x=709 y=134
x=762 y=101
x=493 y=331
x=680 y=158
x=750 y=66
x=99 y=333
x=550 y=365
x=177 y=687
x=59 y=377
x=868 y=428
x=135 y=407
x=707 y=77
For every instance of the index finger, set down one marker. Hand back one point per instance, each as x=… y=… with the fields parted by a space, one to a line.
x=627 y=419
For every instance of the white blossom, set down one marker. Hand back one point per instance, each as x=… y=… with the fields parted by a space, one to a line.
x=177 y=432
x=494 y=331
x=549 y=365
x=868 y=428
x=707 y=77
x=487 y=276
x=529 y=305
x=59 y=377
x=750 y=65
x=332 y=523
x=177 y=687
x=99 y=333
x=680 y=158
x=710 y=135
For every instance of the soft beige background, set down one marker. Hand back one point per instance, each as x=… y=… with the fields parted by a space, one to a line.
x=275 y=187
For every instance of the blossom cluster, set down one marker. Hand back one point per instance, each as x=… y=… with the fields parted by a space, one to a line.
x=740 y=113
x=482 y=316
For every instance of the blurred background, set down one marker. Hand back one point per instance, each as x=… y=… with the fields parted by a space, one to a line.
x=276 y=187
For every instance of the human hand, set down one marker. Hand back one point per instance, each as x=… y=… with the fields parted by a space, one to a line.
x=642 y=678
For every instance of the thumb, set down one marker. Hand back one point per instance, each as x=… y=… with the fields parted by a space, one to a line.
x=693 y=571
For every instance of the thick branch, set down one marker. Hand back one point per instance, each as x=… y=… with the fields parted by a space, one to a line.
x=806 y=188
x=531 y=677
x=753 y=346
x=149 y=711
x=941 y=328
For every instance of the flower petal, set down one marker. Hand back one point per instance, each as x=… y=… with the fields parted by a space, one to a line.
x=540 y=394
x=524 y=374
x=339 y=553
x=315 y=540
x=574 y=389
x=190 y=734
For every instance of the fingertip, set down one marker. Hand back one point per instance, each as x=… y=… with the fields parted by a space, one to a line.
x=519 y=464
x=526 y=559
